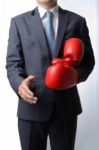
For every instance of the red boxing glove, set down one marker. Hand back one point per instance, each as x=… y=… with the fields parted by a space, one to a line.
x=74 y=50
x=61 y=75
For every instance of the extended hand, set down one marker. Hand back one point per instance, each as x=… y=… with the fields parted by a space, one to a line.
x=25 y=93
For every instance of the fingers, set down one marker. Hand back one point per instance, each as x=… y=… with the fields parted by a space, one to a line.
x=27 y=97
x=27 y=90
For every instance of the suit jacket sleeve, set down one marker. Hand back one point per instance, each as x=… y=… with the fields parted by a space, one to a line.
x=14 y=59
x=88 y=60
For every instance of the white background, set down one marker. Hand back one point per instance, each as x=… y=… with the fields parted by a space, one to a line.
x=88 y=131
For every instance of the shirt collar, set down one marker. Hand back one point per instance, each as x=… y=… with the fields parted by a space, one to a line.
x=42 y=11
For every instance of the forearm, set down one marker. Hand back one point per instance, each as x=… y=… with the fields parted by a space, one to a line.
x=88 y=61
x=14 y=58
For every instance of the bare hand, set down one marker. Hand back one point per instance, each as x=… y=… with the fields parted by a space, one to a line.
x=25 y=93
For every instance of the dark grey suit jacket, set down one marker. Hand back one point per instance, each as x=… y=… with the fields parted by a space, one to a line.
x=28 y=53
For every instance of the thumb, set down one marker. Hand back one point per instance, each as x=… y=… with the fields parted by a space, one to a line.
x=29 y=79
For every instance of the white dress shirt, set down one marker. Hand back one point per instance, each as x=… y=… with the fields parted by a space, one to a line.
x=54 y=10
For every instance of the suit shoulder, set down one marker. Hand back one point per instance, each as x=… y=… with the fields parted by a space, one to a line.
x=73 y=14
x=23 y=15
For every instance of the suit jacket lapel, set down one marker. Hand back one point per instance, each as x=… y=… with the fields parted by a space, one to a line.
x=39 y=32
x=62 y=25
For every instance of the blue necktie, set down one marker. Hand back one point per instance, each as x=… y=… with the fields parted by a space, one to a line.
x=49 y=31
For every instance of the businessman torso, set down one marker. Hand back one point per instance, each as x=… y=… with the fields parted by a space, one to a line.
x=28 y=53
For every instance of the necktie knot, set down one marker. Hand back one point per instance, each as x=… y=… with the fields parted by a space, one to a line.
x=49 y=14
